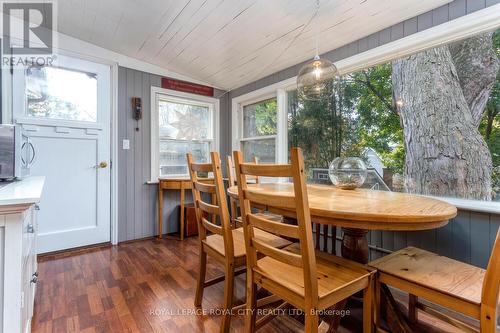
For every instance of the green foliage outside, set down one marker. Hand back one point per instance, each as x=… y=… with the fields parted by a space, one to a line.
x=362 y=114
x=490 y=124
x=358 y=115
x=266 y=117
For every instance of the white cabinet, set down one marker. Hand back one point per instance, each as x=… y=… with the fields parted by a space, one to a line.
x=20 y=269
x=18 y=263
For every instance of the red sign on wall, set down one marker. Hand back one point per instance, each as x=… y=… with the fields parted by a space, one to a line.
x=188 y=87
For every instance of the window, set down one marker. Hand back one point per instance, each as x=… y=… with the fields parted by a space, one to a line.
x=417 y=125
x=260 y=126
x=427 y=123
x=181 y=125
x=59 y=93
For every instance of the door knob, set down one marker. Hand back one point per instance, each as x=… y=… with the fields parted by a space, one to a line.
x=102 y=165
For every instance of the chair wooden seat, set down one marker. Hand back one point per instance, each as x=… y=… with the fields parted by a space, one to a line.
x=216 y=242
x=433 y=271
x=452 y=284
x=333 y=273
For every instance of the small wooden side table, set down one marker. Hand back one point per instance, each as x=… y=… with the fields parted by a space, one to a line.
x=181 y=184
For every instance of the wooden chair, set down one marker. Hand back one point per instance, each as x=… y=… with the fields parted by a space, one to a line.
x=311 y=282
x=324 y=231
x=452 y=284
x=220 y=241
x=231 y=180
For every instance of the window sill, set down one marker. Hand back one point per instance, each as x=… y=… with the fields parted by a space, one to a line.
x=490 y=207
x=172 y=177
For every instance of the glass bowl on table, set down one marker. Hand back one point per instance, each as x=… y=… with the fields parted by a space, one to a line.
x=347 y=173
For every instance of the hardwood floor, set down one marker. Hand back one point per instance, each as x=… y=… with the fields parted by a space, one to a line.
x=141 y=286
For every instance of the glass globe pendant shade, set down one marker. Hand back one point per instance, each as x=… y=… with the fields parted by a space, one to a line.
x=313 y=81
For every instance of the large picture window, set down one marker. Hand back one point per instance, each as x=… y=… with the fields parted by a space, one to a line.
x=183 y=125
x=427 y=123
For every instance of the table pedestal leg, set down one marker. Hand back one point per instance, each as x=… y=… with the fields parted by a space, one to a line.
x=355 y=245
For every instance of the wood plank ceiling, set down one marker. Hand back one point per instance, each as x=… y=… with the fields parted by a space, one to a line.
x=228 y=43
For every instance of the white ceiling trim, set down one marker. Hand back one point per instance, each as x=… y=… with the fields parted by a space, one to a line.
x=483 y=20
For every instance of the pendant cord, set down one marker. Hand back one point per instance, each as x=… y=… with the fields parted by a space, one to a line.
x=317 y=29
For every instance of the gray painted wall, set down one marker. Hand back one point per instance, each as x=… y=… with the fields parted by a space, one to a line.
x=468 y=238
x=137 y=200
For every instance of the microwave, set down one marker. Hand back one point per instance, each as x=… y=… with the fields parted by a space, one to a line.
x=16 y=152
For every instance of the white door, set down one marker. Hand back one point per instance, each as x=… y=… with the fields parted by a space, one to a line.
x=66 y=109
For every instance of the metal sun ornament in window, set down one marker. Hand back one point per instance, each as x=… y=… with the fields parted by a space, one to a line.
x=347 y=173
x=314 y=78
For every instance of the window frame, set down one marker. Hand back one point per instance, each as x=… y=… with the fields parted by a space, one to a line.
x=480 y=21
x=19 y=103
x=277 y=91
x=241 y=121
x=158 y=94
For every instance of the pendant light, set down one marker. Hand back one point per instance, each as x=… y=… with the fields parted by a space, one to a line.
x=314 y=78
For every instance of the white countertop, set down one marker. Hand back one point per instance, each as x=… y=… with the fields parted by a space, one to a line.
x=25 y=191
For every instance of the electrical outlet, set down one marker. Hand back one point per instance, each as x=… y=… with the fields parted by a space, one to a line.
x=126 y=144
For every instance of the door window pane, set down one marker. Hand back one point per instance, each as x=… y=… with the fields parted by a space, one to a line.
x=184 y=121
x=59 y=93
x=260 y=119
x=265 y=150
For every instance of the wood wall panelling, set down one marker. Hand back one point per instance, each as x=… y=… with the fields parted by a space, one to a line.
x=469 y=238
x=137 y=200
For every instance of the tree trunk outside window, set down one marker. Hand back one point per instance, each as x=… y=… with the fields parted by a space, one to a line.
x=444 y=93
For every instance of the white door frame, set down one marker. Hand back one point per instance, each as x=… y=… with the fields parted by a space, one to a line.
x=114 y=154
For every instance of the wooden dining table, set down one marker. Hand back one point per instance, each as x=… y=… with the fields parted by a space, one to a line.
x=358 y=211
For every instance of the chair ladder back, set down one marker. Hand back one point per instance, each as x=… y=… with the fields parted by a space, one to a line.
x=218 y=208
x=298 y=202
x=491 y=289
x=304 y=222
x=221 y=197
x=256 y=179
x=231 y=172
